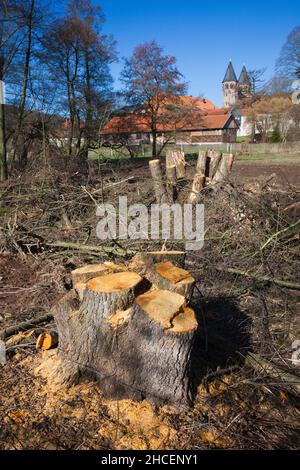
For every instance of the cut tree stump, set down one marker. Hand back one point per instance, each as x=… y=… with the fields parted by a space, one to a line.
x=84 y=274
x=224 y=168
x=215 y=160
x=144 y=262
x=159 y=187
x=170 y=277
x=177 y=158
x=160 y=338
x=134 y=337
x=198 y=185
x=171 y=182
x=201 y=165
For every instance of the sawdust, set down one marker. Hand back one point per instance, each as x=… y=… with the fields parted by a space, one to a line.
x=129 y=424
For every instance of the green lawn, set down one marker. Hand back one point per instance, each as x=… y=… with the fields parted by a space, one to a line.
x=274 y=158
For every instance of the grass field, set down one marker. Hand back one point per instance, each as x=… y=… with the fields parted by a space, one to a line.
x=274 y=158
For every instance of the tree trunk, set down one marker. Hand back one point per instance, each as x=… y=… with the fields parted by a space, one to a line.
x=23 y=154
x=154 y=143
x=3 y=154
x=137 y=342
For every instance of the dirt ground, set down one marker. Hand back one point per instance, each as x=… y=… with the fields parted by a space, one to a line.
x=287 y=174
x=236 y=407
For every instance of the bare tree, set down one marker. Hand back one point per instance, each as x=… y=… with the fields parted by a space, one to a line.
x=78 y=57
x=256 y=79
x=288 y=64
x=10 y=42
x=149 y=78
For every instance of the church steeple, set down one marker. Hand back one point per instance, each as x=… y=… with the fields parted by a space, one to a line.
x=244 y=77
x=230 y=88
x=244 y=84
x=230 y=75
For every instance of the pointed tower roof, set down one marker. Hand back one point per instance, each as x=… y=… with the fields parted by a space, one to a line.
x=244 y=77
x=230 y=75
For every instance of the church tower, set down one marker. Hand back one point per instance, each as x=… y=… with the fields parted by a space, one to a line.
x=244 y=84
x=230 y=88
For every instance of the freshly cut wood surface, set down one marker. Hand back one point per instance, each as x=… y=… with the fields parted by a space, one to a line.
x=161 y=305
x=86 y=273
x=184 y=321
x=47 y=341
x=171 y=272
x=147 y=260
x=114 y=282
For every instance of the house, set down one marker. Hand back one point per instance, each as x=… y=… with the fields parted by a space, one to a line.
x=191 y=120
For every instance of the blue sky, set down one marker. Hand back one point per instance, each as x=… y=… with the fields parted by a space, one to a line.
x=204 y=35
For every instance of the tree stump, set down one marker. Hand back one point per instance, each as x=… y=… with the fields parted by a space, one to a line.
x=174 y=279
x=198 y=185
x=201 y=165
x=144 y=262
x=224 y=168
x=84 y=274
x=177 y=158
x=171 y=182
x=160 y=339
x=134 y=337
x=159 y=187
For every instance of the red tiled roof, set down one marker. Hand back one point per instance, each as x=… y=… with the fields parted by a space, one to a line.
x=198 y=117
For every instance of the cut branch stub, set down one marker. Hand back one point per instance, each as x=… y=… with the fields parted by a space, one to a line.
x=159 y=187
x=160 y=336
x=167 y=276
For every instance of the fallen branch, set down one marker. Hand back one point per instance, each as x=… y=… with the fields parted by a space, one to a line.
x=25 y=326
x=104 y=250
x=263 y=366
x=278 y=282
x=290 y=230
